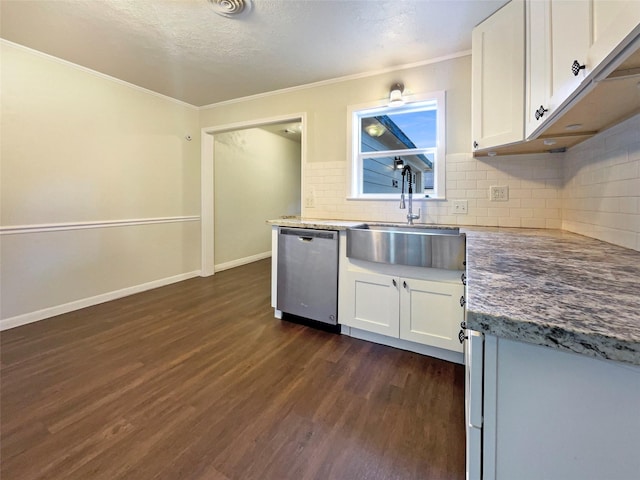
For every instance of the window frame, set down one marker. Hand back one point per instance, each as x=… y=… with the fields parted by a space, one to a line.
x=354 y=141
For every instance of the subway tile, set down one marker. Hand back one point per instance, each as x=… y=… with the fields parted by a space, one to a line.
x=479 y=212
x=467 y=184
x=478 y=194
x=520 y=193
x=476 y=175
x=469 y=165
x=553 y=203
x=498 y=212
x=534 y=222
x=545 y=193
x=487 y=221
x=630 y=204
x=509 y=222
x=555 y=223
x=456 y=175
x=521 y=212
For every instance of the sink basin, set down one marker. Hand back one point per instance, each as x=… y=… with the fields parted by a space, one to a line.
x=412 y=245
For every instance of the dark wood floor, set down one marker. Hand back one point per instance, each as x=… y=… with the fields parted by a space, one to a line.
x=197 y=380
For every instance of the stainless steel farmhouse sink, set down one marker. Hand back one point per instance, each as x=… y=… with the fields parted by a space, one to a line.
x=413 y=245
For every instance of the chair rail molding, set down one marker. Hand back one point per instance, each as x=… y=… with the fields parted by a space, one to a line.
x=57 y=227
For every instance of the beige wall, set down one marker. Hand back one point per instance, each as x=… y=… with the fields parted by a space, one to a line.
x=79 y=147
x=535 y=181
x=601 y=197
x=257 y=177
x=326 y=110
x=326 y=105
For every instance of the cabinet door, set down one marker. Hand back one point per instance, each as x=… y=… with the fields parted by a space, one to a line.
x=578 y=413
x=538 y=59
x=375 y=303
x=570 y=40
x=431 y=313
x=612 y=22
x=498 y=78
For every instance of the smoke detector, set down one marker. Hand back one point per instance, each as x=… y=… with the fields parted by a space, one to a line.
x=230 y=8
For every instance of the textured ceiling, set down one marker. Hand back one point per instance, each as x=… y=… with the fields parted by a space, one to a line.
x=183 y=49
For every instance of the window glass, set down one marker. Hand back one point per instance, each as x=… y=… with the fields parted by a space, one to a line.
x=398 y=131
x=383 y=136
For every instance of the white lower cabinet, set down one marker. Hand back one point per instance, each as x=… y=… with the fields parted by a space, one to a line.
x=550 y=414
x=375 y=303
x=423 y=311
x=431 y=312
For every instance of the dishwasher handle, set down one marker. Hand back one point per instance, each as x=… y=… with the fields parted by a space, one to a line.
x=306 y=235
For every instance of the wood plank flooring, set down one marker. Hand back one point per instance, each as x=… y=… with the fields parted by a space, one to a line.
x=197 y=380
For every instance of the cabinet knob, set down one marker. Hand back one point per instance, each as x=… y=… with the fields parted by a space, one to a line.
x=463 y=325
x=475 y=144
x=463 y=277
x=576 y=67
x=540 y=112
x=404 y=284
x=461 y=336
x=395 y=284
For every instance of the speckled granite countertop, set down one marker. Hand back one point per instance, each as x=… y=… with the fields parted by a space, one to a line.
x=314 y=223
x=555 y=288
x=546 y=287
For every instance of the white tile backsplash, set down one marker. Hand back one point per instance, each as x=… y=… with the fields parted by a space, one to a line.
x=593 y=189
x=467 y=179
x=601 y=195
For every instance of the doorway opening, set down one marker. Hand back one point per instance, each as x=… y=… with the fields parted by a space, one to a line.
x=251 y=172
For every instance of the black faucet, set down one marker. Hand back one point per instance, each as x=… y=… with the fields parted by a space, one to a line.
x=407 y=172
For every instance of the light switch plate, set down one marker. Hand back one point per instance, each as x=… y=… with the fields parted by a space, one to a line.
x=460 y=207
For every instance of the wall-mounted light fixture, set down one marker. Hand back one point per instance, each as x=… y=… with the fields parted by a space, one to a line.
x=395 y=95
x=398 y=163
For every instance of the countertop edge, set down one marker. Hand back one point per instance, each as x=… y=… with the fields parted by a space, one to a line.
x=318 y=224
x=564 y=339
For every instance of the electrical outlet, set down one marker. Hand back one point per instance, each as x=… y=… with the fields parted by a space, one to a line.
x=499 y=193
x=460 y=207
x=310 y=199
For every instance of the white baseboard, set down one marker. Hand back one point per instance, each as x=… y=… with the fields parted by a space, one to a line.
x=455 y=357
x=241 y=261
x=12 y=322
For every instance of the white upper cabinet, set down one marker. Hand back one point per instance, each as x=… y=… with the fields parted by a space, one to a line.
x=570 y=38
x=565 y=41
x=538 y=61
x=498 y=78
x=566 y=47
x=612 y=21
x=558 y=37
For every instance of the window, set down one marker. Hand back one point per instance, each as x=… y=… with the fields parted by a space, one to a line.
x=382 y=135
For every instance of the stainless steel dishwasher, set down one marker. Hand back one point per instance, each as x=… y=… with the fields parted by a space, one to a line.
x=308 y=273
